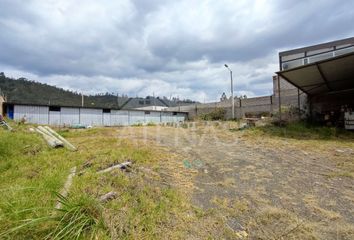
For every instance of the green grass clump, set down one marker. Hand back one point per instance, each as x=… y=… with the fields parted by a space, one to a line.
x=217 y=114
x=31 y=175
x=76 y=219
x=82 y=217
x=302 y=130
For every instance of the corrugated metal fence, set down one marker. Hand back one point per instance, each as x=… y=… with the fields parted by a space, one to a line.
x=94 y=117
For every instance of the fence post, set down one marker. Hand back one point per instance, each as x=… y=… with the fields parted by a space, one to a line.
x=241 y=112
x=298 y=102
x=279 y=100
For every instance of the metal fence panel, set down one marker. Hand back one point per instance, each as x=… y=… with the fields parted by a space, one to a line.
x=136 y=117
x=153 y=117
x=54 y=118
x=107 y=119
x=32 y=114
x=166 y=117
x=92 y=117
x=119 y=118
x=181 y=117
x=69 y=116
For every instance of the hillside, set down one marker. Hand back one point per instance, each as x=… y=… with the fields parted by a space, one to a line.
x=23 y=90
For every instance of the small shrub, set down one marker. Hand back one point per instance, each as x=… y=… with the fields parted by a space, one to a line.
x=78 y=218
x=217 y=114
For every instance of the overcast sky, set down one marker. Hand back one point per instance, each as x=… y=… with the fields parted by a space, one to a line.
x=178 y=48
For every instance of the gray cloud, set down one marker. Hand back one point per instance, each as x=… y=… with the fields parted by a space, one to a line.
x=166 y=47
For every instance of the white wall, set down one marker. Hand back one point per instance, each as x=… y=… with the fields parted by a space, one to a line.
x=119 y=118
x=54 y=118
x=93 y=117
x=136 y=117
x=153 y=117
x=69 y=116
x=33 y=114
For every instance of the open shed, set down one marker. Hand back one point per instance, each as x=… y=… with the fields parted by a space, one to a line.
x=329 y=85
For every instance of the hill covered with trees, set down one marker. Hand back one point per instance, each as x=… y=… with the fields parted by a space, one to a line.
x=27 y=91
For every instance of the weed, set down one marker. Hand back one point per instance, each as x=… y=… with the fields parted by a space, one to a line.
x=217 y=114
x=77 y=218
x=303 y=130
x=30 y=171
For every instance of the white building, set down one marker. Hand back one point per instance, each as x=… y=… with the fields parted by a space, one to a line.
x=69 y=116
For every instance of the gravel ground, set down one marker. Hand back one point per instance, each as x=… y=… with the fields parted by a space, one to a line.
x=270 y=188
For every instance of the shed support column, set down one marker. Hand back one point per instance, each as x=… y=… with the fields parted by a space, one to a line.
x=241 y=112
x=298 y=102
x=279 y=100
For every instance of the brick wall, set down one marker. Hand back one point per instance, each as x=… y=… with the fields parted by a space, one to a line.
x=257 y=105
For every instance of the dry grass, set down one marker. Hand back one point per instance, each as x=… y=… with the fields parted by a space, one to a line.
x=150 y=203
x=155 y=195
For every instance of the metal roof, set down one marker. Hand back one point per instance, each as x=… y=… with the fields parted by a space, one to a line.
x=330 y=75
x=318 y=46
x=85 y=107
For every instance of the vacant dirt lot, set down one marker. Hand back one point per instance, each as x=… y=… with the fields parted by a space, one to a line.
x=260 y=186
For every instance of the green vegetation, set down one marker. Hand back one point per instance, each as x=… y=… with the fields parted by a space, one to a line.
x=332 y=143
x=27 y=91
x=31 y=175
x=303 y=130
x=217 y=114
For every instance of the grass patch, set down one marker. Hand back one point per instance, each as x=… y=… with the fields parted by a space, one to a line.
x=303 y=131
x=31 y=173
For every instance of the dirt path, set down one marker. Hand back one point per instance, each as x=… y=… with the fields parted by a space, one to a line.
x=271 y=191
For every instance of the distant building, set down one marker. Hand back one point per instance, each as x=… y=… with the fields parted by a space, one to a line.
x=148 y=103
x=72 y=115
x=325 y=74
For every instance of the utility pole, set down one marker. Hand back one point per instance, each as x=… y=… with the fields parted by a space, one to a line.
x=118 y=100
x=232 y=92
x=82 y=100
x=154 y=107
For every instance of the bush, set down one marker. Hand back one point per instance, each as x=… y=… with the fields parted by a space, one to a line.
x=217 y=114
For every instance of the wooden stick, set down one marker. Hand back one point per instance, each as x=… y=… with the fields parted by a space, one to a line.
x=121 y=165
x=108 y=196
x=64 y=192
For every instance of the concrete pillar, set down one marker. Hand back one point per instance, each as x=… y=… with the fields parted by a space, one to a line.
x=2 y=100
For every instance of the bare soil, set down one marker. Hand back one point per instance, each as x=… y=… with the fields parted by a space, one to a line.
x=260 y=187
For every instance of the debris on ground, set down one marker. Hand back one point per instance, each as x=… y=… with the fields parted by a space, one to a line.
x=118 y=166
x=66 y=143
x=64 y=192
x=193 y=164
x=4 y=124
x=78 y=126
x=108 y=197
x=49 y=138
x=53 y=138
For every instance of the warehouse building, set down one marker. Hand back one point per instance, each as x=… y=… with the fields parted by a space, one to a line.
x=325 y=74
x=69 y=116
